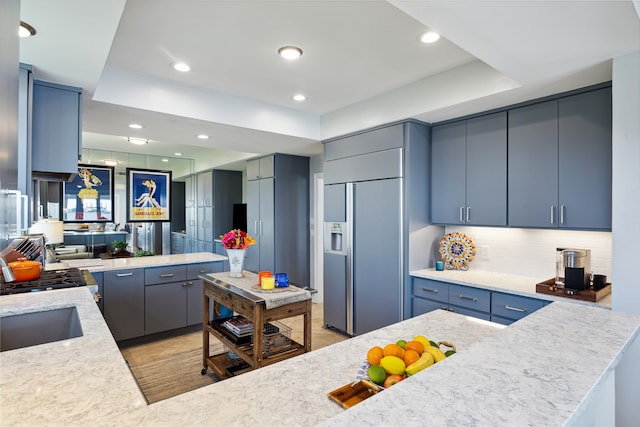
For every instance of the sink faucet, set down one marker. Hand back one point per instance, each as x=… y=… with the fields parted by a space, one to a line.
x=7 y=272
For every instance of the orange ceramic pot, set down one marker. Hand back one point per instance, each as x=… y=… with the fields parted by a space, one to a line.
x=25 y=270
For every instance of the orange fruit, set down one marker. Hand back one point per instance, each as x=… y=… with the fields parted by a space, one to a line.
x=393 y=350
x=414 y=345
x=410 y=356
x=374 y=355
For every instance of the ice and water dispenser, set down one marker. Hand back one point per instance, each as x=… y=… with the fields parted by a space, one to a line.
x=336 y=239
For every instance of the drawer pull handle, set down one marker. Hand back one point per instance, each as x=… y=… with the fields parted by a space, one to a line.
x=167 y=275
x=434 y=291
x=124 y=274
x=467 y=298
x=521 y=310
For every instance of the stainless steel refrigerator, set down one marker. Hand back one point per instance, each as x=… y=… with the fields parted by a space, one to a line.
x=363 y=255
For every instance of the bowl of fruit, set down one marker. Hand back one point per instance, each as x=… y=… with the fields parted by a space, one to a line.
x=390 y=364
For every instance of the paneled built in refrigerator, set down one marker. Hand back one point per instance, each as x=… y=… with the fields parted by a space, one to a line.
x=376 y=227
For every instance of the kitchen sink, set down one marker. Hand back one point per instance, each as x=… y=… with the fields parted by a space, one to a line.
x=40 y=327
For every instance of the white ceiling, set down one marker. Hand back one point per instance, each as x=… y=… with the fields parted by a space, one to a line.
x=362 y=65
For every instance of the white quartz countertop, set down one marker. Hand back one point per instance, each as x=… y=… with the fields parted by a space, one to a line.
x=508 y=283
x=97 y=264
x=532 y=372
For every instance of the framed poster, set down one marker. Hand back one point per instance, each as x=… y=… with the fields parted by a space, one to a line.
x=148 y=195
x=89 y=196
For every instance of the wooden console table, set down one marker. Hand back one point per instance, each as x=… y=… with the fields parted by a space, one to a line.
x=236 y=294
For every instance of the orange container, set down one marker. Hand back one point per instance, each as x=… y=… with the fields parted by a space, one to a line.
x=262 y=274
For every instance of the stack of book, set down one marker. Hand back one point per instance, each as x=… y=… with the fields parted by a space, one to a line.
x=239 y=326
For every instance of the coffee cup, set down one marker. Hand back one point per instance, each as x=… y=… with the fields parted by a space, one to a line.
x=599 y=281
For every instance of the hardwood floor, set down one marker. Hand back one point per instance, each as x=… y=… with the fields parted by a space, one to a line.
x=144 y=352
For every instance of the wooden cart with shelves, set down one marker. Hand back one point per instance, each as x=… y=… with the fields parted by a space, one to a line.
x=220 y=288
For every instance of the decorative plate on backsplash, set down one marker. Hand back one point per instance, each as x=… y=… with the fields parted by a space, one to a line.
x=457 y=250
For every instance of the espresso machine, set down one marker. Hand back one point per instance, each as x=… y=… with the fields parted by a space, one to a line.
x=576 y=266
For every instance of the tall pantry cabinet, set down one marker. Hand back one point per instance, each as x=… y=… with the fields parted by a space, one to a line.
x=278 y=216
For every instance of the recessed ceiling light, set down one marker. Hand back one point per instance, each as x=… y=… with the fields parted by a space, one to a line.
x=181 y=66
x=429 y=37
x=165 y=160
x=138 y=141
x=299 y=97
x=202 y=136
x=26 y=30
x=111 y=163
x=135 y=126
x=290 y=52
x=177 y=154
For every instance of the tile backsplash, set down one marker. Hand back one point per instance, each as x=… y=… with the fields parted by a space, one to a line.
x=532 y=252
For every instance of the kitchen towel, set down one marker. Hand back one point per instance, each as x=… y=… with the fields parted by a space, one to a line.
x=273 y=299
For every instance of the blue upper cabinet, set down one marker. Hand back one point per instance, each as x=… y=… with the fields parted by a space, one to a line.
x=56 y=128
x=560 y=163
x=584 y=160
x=469 y=171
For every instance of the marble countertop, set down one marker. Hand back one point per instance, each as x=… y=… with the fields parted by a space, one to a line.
x=97 y=264
x=529 y=365
x=508 y=283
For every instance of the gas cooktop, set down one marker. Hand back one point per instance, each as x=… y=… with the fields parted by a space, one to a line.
x=49 y=280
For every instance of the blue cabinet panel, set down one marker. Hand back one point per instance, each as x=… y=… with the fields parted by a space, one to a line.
x=431 y=289
x=468 y=297
x=513 y=306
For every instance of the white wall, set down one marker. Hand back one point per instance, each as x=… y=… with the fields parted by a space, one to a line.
x=625 y=224
x=626 y=182
x=530 y=252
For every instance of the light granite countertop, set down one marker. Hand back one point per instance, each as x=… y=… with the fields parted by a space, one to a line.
x=97 y=264
x=508 y=283
x=542 y=370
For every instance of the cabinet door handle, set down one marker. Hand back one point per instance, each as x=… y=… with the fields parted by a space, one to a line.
x=189 y=283
x=433 y=291
x=261 y=227
x=167 y=275
x=255 y=227
x=124 y=274
x=553 y=214
x=461 y=214
x=184 y=285
x=521 y=310
x=561 y=214
x=467 y=298
x=468 y=213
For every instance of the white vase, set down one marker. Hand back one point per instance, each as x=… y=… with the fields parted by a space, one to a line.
x=236 y=261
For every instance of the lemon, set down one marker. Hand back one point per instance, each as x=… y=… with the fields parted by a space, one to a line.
x=393 y=365
x=377 y=374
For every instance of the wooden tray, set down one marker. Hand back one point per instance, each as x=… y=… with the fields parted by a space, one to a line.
x=350 y=395
x=548 y=287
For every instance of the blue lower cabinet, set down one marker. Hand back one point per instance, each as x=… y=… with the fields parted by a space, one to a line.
x=501 y=320
x=420 y=306
x=469 y=312
x=475 y=299
x=513 y=307
x=499 y=307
